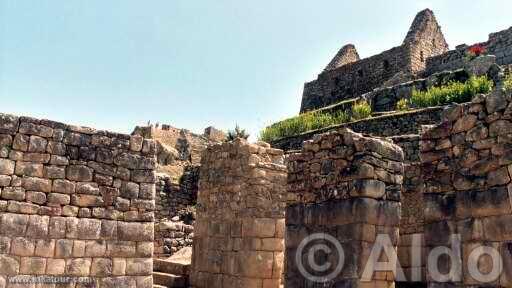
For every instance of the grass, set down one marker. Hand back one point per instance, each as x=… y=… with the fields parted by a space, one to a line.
x=452 y=92
x=314 y=120
x=361 y=110
x=508 y=82
x=402 y=105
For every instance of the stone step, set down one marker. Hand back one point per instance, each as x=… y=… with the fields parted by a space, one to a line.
x=171 y=267
x=169 y=280
x=159 y=286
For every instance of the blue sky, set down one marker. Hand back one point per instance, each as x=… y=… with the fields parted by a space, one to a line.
x=119 y=63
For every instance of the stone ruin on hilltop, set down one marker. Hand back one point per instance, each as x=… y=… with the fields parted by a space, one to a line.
x=78 y=202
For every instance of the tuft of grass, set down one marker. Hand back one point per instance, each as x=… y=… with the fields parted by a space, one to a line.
x=361 y=110
x=314 y=120
x=452 y=92
x=508 y=82
x=302 y=123
x=402 y=105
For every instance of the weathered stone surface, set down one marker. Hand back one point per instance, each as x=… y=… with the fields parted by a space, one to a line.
x=6 y=167
x=47 y=171
x=79 y=173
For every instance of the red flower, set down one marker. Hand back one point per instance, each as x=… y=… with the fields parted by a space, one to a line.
x=477 y=50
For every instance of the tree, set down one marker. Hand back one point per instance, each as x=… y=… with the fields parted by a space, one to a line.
x=237 y=133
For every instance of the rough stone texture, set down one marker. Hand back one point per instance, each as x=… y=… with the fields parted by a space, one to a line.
x=239 y=231
x=175 y=211
x=348 y=186
x=73 y=202
x=387 y=125
x=467 y=180
x=178 y=158
x=339 y=82
x=498 y=44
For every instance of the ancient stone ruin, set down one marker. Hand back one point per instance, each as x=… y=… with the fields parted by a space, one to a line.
x=165 y=207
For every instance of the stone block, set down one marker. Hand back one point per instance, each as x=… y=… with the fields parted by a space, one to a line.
x=95 y=248
x=33 y=266
x=101 y=267
x=79 y=173
x=64 y=248
x=55 y=266
x=256 y=264
x=135 y=231
x=36 y=197
x=13 y=224
x=79 y=267
x=6 y=167
x=259 y=227
x=22 y=246
x=9 y=266
x=84 y=200
x=58 y=199
x=29 y=169
x=121 y=249
x=63 y=186
x=13 y=193
x=45 y=248
x=139 y=266
x=119 y=266
x=37 y=144
x=57 y=228
x=20 y=142
x=37 y=184
x=38 y=226
x=369 y=188
x=54 y=172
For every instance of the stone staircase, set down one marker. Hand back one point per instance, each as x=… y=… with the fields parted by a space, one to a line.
x=172 y=272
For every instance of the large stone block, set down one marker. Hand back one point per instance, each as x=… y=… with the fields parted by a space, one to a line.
x=7 y=167
x=79 y=173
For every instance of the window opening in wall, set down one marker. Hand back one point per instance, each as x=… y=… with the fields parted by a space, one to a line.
x=360 y=73
x=336 y=81
x=422 y=57
x=385 y=64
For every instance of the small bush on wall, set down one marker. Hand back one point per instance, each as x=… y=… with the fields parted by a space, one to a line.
x=361 y=110
x=402 y=105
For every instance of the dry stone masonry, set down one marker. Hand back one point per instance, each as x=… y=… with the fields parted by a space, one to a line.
x=467 y=170
x=75 y=202
x=348 y=77
x=239 y=231
x=347 y=186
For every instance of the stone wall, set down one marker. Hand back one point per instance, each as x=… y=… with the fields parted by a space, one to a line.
x=175 y=212
x=75 y=202
x=401 y=123
x=498 y=44
x=466 y=166
x=346 y=186
x=412 y=221
x=386 y=98
x=239 y=231
x=355 y=78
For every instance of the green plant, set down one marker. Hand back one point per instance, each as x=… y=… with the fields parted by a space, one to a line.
x=452 y=92
x=402 y=105
x=361 y=110
x=237 y=133
x=302 y=123
x=508 y=82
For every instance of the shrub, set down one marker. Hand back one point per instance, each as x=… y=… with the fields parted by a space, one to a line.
x=452 y=92
x=361 y=110
x=508 y=82
x=402 y=105
x=237 y=133
x=302 y=123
